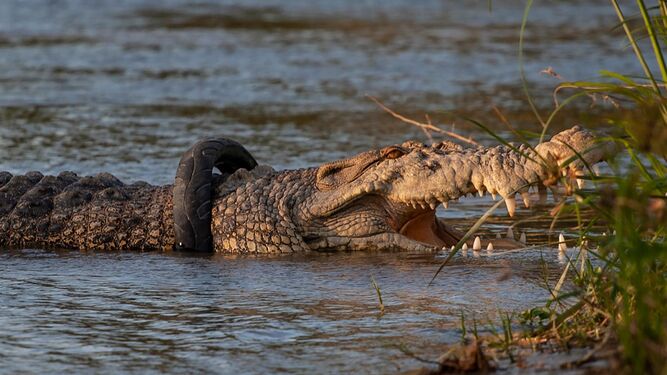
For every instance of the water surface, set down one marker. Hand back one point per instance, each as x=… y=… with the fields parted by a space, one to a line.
x=126 y=86
x=131 y=312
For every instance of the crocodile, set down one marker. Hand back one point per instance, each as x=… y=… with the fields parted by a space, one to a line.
x=383 y=199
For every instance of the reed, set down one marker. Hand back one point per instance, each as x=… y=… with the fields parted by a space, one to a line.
x=379 y=294
x=613 y=293
x=618 y=290
x=620 y=286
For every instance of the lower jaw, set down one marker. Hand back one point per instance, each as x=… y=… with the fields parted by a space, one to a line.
x=394 y=242
x=424 y=232
x=380 y=241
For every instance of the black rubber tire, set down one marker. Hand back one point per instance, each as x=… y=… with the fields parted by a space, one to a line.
x=193 y=190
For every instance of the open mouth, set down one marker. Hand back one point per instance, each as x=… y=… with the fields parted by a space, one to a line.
x=427 y=228
x=424 y=226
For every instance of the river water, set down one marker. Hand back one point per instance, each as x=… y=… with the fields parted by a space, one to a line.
x=125 y=86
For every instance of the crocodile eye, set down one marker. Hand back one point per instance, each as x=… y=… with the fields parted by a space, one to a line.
x=393 y=152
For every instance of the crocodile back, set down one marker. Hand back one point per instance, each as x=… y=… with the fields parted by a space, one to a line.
x=92 y=212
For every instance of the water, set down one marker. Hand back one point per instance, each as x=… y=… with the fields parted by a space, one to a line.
x=131 y=312
x=126 y=86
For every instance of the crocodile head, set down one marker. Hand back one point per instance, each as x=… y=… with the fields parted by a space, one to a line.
x=387 y=198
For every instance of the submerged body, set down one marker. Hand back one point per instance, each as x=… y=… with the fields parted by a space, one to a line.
x=380 y=199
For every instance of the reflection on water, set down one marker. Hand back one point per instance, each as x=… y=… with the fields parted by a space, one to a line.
x=132 y=312
x=125 y=86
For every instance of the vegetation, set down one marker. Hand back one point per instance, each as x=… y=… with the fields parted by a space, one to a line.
x=616 y=294
x=623 y=285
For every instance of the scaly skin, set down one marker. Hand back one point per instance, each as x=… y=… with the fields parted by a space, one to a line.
x=97 y=213
x=380 y=199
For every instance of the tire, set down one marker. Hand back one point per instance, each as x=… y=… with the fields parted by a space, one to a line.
x=192 y=192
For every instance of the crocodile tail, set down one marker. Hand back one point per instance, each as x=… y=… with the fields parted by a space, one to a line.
x=18 y=198
x=193 y=188
x=34 y=208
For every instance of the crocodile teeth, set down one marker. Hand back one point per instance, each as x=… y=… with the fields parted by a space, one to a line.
x=522 y=239
x=526 y=199
x=562 y=246
x=423 y=205
x=453 y=247
x=480 y=193
x=498 y=236
x=511 y=205
x=493 y=195
x=445 y=204
x=581 y=183
x=464 y=247
x=489 y=247
x=510 y=233
x=477 y=244
x=433 y=205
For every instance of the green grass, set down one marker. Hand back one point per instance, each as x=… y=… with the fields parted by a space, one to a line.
x=376 y=287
